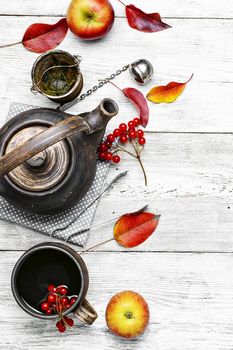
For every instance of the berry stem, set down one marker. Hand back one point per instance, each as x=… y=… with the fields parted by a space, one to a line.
x=138 y=153
x=143 y=169
x=62 y=318
x=96 y=246
x=8 y=45
x=124 y=150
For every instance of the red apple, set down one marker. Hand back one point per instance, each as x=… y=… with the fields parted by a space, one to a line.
x=90 y=19
x=127 y=314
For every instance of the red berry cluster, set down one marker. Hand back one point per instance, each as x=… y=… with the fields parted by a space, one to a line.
x=57 y=303
x=124 y=133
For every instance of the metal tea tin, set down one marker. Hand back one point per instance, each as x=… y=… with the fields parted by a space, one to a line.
x=47 y=62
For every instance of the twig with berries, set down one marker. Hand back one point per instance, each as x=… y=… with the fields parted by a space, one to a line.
x=57 y=303
x=125 y=134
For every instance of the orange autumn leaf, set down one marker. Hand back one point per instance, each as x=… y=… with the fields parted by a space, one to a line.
x=168 y=93
x=134 y=228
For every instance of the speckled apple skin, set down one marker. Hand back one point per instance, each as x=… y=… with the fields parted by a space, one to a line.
x=121 y=303
x=97 y=28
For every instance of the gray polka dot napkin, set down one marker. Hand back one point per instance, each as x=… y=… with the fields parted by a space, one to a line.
x=64 y=225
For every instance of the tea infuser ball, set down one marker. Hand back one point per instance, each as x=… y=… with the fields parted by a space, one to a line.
x=141 y=70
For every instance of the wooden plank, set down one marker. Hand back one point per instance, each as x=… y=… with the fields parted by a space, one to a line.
x=169 y=8
x=190 y=185
x=189 y=295
x=206 y=104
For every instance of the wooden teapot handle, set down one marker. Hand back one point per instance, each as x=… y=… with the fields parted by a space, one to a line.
x=41 y=141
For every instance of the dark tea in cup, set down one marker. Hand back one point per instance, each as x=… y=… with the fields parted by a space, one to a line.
x=46 y=264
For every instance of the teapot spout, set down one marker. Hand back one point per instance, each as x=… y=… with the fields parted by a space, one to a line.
x=100 y=116
x=109 y=107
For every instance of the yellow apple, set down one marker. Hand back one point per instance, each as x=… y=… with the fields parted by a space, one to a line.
x=127 y=314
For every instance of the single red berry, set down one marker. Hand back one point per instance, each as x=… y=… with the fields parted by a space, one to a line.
x=62 y=330
x=63 y=290
x=69 y=321
x=117 y=132
x=123 y=139
x=123 y=127
x=116 y=159
x=101 y=155
x=110 y=138
x=45 y=306
x=68 y=306
x=131 y=129
x=64 y=301
x=108 y=156
x=51 y=287
x=132 y=134
x=140 y=133
x=73 y=299
x=108 y=144
x=53 y=306
x=52 y=298
x=131 y=124
x=49 y=312
x=137 y=121
x=60 y=324
x=103 y=147
x=142 y=141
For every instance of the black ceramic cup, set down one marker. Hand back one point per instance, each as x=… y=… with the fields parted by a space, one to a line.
x=51 y=263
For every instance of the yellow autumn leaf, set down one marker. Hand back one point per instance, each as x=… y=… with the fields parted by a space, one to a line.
x=168 y=93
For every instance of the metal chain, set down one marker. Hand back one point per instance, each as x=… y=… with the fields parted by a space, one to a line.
x=93 y=89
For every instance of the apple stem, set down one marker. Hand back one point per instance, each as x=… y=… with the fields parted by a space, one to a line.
x=129 y=315
x=122 y=3
x=8 y=45
x=96 y=246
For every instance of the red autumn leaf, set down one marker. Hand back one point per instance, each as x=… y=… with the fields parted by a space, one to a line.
x=41 y=37
x=133 y=229
x=144 y=22
x=137 y=98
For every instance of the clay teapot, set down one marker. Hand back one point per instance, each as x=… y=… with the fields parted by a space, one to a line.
x=48 y=157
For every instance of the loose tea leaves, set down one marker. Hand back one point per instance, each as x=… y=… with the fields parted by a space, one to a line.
x=168 y=93
x=57 y=80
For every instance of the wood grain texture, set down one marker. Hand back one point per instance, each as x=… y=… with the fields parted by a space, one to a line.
x=190 y=185
x=189 y=295
x=206 y=104
x=168 y=8
x=190 y=179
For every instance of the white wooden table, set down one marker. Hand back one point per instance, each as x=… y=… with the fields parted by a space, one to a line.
x=185 y=270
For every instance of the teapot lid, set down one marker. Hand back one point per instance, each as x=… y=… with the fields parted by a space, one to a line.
x=45 y=169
